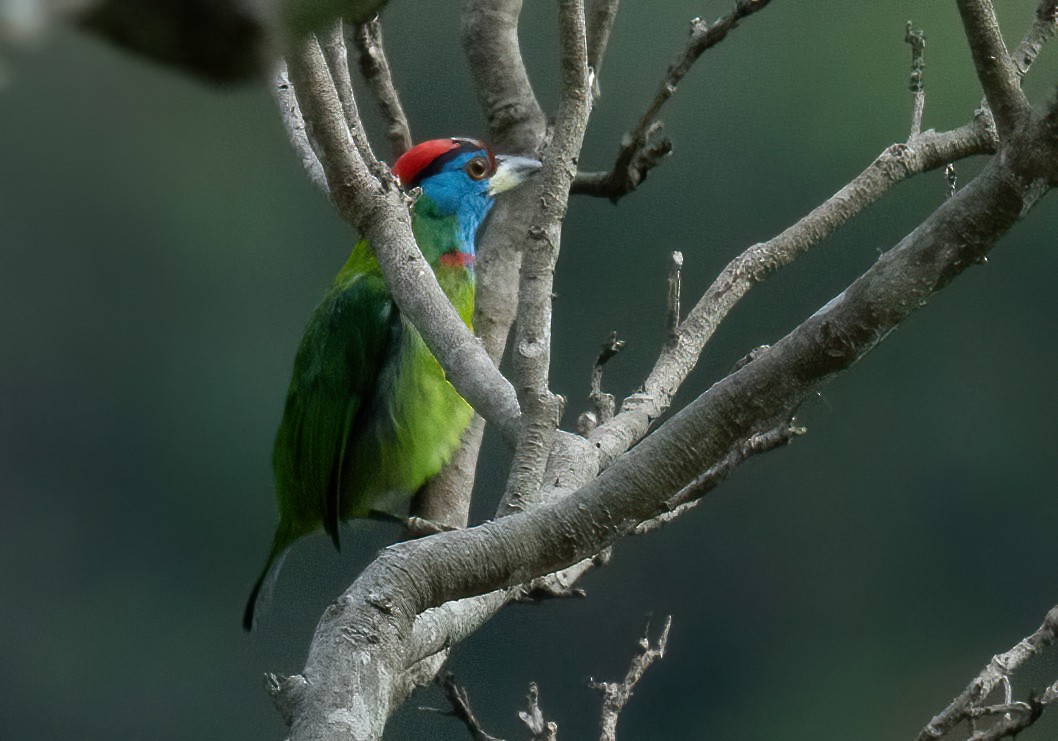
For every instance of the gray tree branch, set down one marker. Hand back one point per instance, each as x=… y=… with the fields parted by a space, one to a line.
x=374 y=66
x=644 y=147
x=290 y=113
x=379 y=609
x=998 y=75
x=531 y=359
x=1043 y=28
x=516 y=125
x=370 y=645
x=332 y=42
x=898 y=162
x=617 y=694
x=969 y=703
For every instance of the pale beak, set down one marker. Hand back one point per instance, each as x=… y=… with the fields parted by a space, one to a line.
x=510 y=172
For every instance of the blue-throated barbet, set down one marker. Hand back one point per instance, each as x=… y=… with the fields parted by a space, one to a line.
x=369 y=415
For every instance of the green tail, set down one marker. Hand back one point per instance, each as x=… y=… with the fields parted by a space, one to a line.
x=262 y=588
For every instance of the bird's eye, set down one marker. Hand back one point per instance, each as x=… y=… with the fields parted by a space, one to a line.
x=478 y=168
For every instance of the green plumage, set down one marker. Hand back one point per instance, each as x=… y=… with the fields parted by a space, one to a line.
x=369 y=415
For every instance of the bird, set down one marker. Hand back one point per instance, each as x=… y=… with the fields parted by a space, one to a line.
x=369 y=415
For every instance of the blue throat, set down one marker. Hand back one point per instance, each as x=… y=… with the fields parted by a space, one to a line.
x=451 y=195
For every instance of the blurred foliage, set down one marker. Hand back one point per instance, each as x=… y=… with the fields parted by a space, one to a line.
x=160 y=251
x=220 y=41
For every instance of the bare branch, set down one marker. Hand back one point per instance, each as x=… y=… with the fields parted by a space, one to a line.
x=374 y=66
x=379 y=211
x=490 y=40
x=460 y=700
x=997 y=671
x=361 y=643
x=600 y=16
x=917 y=40
x=644 y=147
x=1043 y=28
x=332 y=41
x=690 y=495
x=437 y=628
x=516 y=124
x=603 y=402
x=533 y=717
x=898 y=162
x=998 y=75
x=675 y=273
x=531 y=359
x=616 y=695
x=290 y=112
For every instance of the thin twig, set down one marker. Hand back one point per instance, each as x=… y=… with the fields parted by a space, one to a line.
x=599 y=17
x=460 y=700
x=995 y=70
x=898 y=162
x=644 y=147
x=917 y=40
x=603 y=403
x=332 y=41
x=673 y=302
x=1044 y=27
x=533 y=717
x=691 y=495
x=374 y=66
x=999 y=669
x=616 y=695
x=290 y=112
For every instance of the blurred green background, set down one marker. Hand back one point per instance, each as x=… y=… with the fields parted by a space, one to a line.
x=160 y=251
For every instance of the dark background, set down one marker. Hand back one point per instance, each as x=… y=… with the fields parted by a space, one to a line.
x=160 y=251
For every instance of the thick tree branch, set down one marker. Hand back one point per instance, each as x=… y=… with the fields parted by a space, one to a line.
x=998 y=75
x=998 y=671
x=490 y=41
x=377 y=209
x=643 y=148
x=374 y=66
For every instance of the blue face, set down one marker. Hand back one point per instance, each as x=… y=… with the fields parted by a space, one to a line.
x=461 y=189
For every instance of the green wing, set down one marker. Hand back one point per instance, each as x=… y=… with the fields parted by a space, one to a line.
x=348 y=339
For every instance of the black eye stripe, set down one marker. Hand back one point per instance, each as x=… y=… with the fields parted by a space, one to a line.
x=465 y=145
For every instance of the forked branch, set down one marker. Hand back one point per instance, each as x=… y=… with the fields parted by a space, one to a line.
x=998 y=75
x=644 y=147
x=970 y=704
